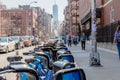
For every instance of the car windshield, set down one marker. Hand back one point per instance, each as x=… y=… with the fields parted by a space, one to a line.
x=15 y=38
x=31 y=37
x=3 y=39
x=25 y=38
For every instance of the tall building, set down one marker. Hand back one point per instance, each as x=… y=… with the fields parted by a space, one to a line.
x=55 y=14
x=44 y=24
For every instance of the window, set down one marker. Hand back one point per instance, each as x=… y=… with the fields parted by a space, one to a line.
x=81 y=1
x=30 y=13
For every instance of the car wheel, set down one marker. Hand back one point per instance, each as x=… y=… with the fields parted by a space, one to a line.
x=23 y=46
x=30 y=44
x=14 y=48
x=19 y=47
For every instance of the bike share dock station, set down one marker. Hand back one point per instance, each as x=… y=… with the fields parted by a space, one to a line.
x=48 y=62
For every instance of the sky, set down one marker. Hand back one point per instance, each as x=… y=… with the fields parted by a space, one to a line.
x=46 y=4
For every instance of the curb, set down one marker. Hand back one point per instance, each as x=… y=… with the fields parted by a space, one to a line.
x=107 y=50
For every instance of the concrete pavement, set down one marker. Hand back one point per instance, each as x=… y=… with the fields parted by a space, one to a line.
x=109 y=61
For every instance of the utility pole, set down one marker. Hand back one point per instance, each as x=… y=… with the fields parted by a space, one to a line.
x=94 y=55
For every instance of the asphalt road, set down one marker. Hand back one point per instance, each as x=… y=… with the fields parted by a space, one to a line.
x=4 y=62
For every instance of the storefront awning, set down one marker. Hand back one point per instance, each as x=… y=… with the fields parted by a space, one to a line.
x=89 y=14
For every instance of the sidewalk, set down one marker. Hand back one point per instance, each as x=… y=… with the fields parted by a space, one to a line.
x=109 y=61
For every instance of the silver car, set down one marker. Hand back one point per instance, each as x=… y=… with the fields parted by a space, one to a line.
x=6 y=44
x=19 y=42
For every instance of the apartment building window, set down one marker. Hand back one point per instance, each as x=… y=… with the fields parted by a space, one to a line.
x=12 y=17
x=81 y=1
x=74 y=3
x=30 y=24
x=112 y=15
x=19 y=17
x=30 y=13
x=77 y=3
x=74 y=19
x=6 y=15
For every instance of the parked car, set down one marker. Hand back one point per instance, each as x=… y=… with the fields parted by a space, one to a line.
x=27 y=41
x=34 y=40
x=6 y=44
x=19 y=42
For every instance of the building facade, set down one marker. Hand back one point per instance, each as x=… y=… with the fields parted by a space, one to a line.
x=19 y=22
x=44 y=23
x=107 y=13
x=2 y=7
x=13 y=22
x=85 y=15
x=48 y=24
x=55 y=14
x=31 y=18
x=25 y=20
x=72 y=17
x=66 y=26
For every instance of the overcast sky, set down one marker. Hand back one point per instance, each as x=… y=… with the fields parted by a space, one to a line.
x=47 y=4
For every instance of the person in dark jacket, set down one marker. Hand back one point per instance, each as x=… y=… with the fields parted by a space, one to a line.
x=117 y=39
x=83 y=41
x=69 y=41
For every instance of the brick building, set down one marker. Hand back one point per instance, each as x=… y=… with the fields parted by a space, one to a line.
x=67 y=21
x=44 y=23
x=107 y=18
x=18 y=22
x=2 y=7
x=72 y=17
x=85 y=15
x=111 y=11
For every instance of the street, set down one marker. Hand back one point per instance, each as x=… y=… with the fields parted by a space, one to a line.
x=3 y=56
x=4 y=62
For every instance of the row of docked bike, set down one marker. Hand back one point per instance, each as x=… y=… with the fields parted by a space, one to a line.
x=52 y=61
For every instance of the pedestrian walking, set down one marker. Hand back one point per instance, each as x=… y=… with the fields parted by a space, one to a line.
x=83 y=41
x=64 y=38
x=69 y=41
x=75 y=41
x=117 y=39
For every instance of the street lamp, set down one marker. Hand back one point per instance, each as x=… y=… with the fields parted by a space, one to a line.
x=32 y=2
x=94 y=56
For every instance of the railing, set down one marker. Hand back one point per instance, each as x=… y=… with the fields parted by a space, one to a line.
x=105 y=34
